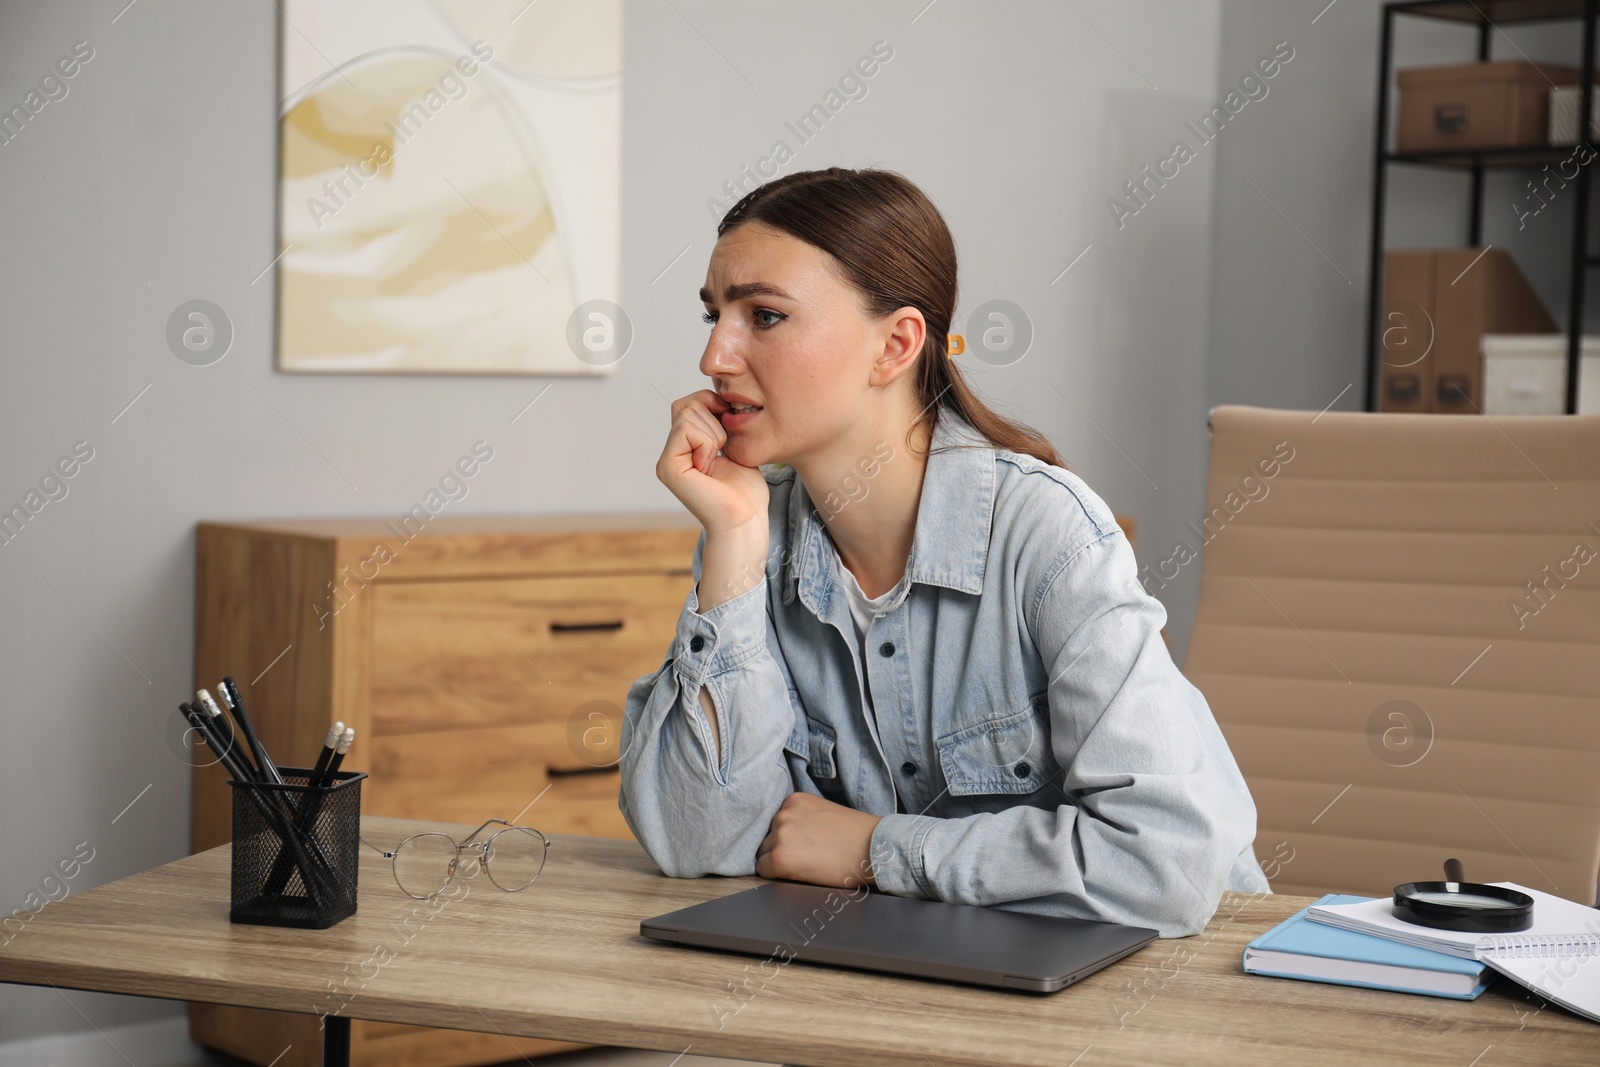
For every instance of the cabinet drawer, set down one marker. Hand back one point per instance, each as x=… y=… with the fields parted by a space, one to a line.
x=453 y=653
x=495 y=772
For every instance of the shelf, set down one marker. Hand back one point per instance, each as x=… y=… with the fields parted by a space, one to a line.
x=1487 y=17
x=1482 y=12
x=1528 y=156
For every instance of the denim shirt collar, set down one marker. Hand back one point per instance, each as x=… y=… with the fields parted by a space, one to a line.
x=950 y=545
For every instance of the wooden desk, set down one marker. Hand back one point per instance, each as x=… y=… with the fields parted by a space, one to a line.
x=564 y=960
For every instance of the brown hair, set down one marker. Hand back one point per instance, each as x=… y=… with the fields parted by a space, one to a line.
x=894 y=248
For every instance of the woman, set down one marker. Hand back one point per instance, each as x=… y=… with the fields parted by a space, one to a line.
x=916 y=655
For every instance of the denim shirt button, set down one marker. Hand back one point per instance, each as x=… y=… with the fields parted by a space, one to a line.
x=908 y=767
x=886 y=649
x=1021 y=770
x=696 y=643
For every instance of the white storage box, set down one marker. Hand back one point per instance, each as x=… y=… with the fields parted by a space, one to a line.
x=1526 y=374
x=1564 y=102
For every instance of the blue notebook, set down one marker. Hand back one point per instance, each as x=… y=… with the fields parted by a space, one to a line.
x=1316 y=952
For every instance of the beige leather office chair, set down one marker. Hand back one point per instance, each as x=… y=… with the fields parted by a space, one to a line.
x=1399 y=633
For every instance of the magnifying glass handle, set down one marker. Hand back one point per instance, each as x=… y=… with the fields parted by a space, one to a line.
x=1453 y=871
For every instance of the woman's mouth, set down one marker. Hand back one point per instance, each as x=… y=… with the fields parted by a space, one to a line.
x=738 y=414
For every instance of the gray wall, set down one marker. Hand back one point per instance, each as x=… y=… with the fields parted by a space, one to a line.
x=1021 y=120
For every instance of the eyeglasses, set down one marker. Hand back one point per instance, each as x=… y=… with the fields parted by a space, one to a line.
x=425 y=864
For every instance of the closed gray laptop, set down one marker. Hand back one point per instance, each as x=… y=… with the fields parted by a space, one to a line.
x=902 y=935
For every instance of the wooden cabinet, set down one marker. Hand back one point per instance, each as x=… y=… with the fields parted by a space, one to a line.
x=483 y=661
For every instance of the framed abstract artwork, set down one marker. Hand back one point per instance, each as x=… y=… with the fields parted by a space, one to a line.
x=449 y=187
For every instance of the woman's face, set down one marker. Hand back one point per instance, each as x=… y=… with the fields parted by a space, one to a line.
x=788 y=335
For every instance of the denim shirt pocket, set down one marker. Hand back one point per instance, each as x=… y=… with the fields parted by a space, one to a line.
x=821 y=745
x=1007 y=754
x=799 y=743
x=813 y=742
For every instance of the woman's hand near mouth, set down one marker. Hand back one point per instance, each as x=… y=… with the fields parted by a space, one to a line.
x=729 y=499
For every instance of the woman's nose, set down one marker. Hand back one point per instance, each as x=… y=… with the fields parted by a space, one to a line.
x=721 y=358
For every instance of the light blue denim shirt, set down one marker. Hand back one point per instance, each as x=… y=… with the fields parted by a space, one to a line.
x=1017 y=720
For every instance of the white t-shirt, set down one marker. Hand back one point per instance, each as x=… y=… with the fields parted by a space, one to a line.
x=862 y=610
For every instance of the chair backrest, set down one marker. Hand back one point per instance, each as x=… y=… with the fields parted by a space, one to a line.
x=1399 y=634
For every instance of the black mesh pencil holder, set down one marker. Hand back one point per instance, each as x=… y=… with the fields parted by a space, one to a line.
x=294 y=849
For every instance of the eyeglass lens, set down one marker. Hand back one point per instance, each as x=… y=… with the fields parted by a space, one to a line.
x=514 y=858
x=422 y=864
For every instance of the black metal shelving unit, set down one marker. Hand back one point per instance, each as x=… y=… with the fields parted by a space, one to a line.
x=1486 y=15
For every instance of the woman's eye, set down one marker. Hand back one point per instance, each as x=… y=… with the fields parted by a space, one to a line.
x=711 y=318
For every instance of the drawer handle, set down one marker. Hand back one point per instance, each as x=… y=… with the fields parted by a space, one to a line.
x=579 y=627
x=573 y=772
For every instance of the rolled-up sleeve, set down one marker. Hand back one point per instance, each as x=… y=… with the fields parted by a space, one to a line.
x=698 y=808
x=1153 y=813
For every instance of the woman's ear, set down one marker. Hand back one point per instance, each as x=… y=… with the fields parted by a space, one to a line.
x=904 y=331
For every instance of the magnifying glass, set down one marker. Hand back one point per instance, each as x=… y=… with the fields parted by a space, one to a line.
x=1455 y=904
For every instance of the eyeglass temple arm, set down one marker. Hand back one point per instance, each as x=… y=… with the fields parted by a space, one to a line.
x=482 y=828
x=475 y=833
x=375 y=848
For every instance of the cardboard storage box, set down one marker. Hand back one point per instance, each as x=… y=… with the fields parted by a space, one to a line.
x=1437 y=305
x=1526 y=374
x=1500 y=104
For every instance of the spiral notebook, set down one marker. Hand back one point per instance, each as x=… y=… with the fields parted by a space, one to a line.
x=1557 y=958
x=1562 y=968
